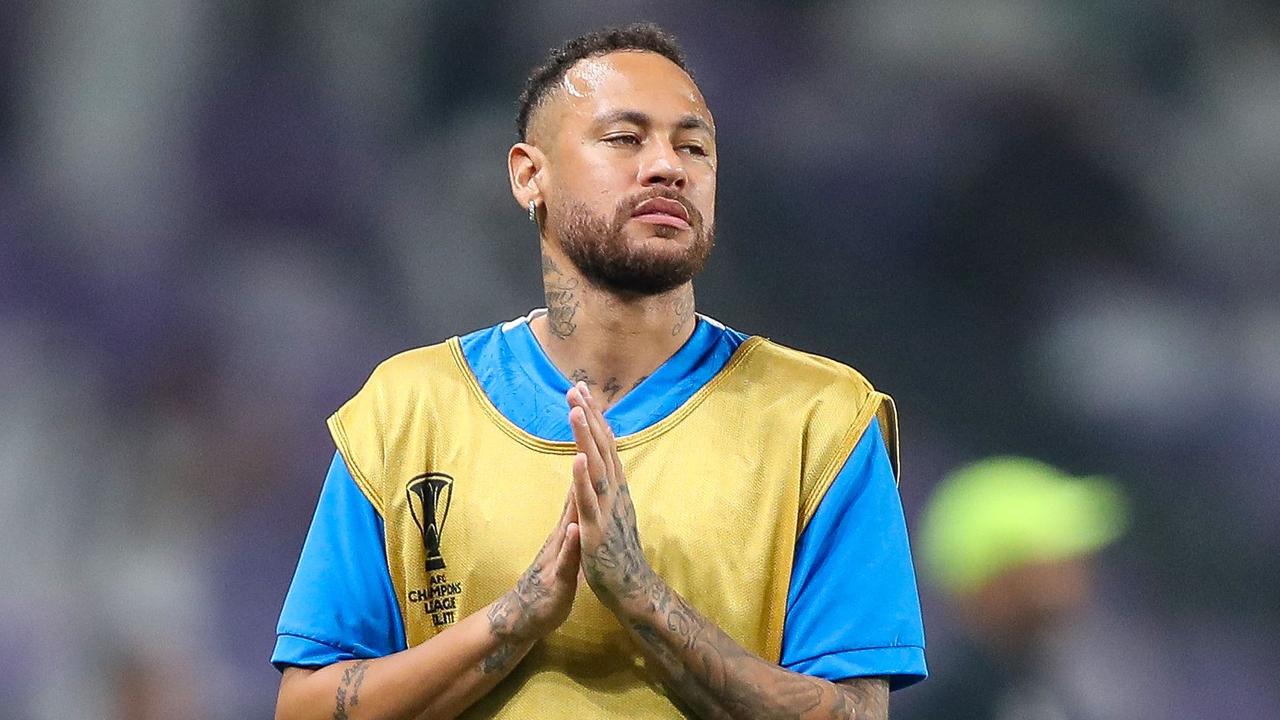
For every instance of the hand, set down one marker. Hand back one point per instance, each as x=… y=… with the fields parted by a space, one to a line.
x=612 y=560
x=543 y=595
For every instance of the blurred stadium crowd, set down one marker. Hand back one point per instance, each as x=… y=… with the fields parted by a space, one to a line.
x=1047 y=228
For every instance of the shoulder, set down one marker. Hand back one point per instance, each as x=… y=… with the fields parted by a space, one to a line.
x=432 y=364
x=837 y=402
x=401 y=382
x=413 y=375
x=806 y=372
x=404 y=386
x=411 y=366
x=395 y=406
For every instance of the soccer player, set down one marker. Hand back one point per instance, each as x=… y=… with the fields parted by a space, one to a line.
x=713 y=519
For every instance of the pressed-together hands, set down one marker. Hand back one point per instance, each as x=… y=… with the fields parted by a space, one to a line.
x=596 y=536
x=596 y=532
x=612 y=560
x=543 y=595
x=708 y=670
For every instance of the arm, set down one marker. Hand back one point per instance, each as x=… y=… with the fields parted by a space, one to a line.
x=702 y=665
x=407 y=684
x=441 y=677
x=719 y=679
x=853 y=609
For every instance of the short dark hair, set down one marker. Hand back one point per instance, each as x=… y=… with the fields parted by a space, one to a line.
x=640 y=36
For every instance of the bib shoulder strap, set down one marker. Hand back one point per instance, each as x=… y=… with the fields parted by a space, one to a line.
x=378 y=426
x=832 y=404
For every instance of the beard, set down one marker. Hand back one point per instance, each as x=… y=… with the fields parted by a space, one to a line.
x=600 y=250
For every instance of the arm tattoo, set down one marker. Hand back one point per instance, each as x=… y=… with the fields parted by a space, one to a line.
x=865 y=697
x=498 y=659
x=719 y=679
x=562 y=300
x=620 y=556
x=700 y=664
x=509 y=616
x=349 y=689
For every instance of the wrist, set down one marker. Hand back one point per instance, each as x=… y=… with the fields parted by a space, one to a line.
x=639 y=596
x=510 y=621
x=520 y=638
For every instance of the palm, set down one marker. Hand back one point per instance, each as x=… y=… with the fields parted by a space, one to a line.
x=543 y=596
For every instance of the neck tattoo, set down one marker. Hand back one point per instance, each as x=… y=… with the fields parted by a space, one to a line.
x=562 y=298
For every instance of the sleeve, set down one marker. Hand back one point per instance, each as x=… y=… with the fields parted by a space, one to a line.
x=340 y=605
x=853 y=609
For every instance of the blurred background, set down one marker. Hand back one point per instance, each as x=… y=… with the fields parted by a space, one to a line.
x=1047 y=228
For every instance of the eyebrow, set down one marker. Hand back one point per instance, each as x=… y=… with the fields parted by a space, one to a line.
x=635 y=117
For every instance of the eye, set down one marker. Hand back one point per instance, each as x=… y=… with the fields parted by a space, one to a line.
x=623 y=139
x=694 y=149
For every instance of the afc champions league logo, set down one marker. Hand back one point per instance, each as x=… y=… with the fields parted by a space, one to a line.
x=429 y=497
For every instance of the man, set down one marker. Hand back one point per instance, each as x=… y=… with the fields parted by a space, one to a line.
x=713 y=519
x=1011 y=541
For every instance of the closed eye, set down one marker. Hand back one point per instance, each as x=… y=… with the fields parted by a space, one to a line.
x=625 y=139
x=694 y=149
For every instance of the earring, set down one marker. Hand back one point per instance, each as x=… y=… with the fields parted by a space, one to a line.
x=533 y=211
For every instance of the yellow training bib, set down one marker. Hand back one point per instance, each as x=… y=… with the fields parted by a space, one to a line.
x=722 y=488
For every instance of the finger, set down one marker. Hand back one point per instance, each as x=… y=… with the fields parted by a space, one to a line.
x=570 y=516
x=601 y=433
x=570 y=554
x=584 y=494
x=551 y=545
x=596 y=451
x=594 y=411
x=569 y=513
x=606 y=443
x=597 y=470
x=576 y=397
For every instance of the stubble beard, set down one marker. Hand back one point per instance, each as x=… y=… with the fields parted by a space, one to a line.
x=598 y=247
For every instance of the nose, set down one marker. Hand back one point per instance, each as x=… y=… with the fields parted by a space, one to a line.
x=663 y=166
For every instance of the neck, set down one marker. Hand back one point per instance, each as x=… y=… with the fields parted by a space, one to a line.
x=610 y=342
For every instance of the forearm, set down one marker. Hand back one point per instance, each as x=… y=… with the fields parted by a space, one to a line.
x=717 y=678
x=702 y=665
x=438 y=678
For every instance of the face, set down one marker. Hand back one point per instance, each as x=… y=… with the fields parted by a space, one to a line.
x=630 y=172
x=1021 y=604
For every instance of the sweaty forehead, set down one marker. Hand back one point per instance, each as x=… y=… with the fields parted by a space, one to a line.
x=631 y=80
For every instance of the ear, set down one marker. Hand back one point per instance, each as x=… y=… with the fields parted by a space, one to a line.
x=525 y=165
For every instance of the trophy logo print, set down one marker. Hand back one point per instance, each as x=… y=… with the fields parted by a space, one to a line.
x=429 y=497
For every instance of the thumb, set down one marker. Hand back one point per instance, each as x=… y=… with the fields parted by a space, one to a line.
x=570 y=554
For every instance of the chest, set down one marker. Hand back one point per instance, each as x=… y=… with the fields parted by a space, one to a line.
x=717 y=521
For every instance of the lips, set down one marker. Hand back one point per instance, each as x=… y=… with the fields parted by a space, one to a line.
x=662 y=211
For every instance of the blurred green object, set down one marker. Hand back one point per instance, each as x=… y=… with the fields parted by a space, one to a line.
x=1005 y=512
